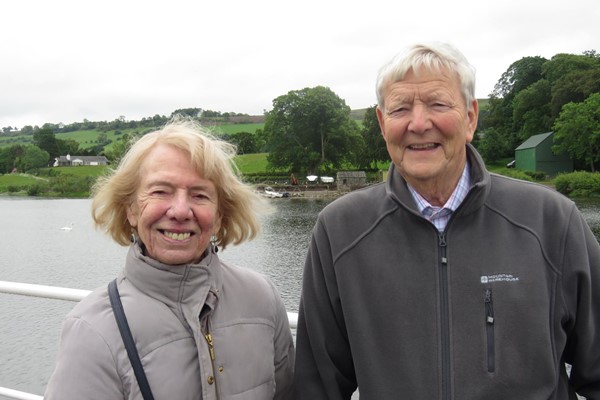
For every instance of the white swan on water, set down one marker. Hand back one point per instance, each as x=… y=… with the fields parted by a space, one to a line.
x=67 y=228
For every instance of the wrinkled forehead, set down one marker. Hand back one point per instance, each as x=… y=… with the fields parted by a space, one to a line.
x=425 y=77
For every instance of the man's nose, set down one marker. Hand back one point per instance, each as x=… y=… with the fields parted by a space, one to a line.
x=420 y=119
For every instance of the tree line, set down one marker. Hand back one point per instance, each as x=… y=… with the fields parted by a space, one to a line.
x=311 y=130
x=536 y=95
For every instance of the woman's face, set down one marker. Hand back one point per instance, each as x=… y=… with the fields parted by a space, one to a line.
x=175 y=210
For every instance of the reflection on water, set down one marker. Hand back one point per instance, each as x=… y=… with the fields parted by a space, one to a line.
x=280 y=250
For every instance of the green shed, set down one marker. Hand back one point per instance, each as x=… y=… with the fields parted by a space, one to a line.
x=535 y=154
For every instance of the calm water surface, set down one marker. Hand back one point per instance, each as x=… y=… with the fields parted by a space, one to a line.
x=34 y=249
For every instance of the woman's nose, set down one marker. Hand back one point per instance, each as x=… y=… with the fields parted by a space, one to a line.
x=180 y=208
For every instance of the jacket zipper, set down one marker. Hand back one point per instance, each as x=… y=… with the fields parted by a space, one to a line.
x=489 y=329
x=211 y=349
x=445 y=318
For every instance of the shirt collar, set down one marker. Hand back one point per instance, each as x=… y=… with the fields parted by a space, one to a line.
x=458 y=195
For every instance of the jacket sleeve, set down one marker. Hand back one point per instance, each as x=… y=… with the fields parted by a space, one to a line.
x=284 y=351
x=85 y=368
x=581 y=280
x=324 y=365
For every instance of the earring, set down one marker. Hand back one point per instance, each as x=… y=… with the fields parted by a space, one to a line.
x=213 y=242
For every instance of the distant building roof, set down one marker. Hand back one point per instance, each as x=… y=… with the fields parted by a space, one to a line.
x=82 y=158
x=534 y=141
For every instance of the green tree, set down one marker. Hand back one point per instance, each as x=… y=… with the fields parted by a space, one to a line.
x=245 y=142
x=310 y=130
x=519 y=75
x=576 y=86
x=190 y=112
x=34 y=157
x=27 y=130
x=577 y=130
x=493 y=145
x=531 y=110
x=373 y=147
x=563 y=64
x=46 y=140
x=119 y=148
x=67 y=146
x=103 y=139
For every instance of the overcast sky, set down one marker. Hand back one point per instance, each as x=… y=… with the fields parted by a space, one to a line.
x=63 y=61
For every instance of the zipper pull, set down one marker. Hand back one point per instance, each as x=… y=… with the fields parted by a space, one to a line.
x=442 y=244
x=211 y=348
x=489 y=309
x=442 y=239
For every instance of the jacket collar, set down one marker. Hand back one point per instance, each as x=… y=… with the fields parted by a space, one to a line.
x=187 y=283
x=397 y=189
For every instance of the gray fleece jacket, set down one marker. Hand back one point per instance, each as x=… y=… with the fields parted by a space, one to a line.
x=174 y=312
x=492 y=308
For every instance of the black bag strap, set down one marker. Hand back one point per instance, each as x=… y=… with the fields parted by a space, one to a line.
x=138 y=369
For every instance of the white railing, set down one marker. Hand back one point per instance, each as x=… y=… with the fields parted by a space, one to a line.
x=60 y=293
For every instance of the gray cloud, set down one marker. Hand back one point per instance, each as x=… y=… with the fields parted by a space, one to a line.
x=66 y=60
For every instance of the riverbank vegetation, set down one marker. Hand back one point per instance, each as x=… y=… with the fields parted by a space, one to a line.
x=76 y=182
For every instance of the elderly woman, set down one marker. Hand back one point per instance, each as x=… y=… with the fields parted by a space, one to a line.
x=202 y=329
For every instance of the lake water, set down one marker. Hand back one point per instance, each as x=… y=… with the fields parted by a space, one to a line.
x=34 y=249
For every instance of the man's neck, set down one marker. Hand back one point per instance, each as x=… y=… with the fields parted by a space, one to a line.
x=438 y=190
x=436 y=193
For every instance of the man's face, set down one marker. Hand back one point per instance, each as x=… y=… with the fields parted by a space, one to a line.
x=175 y=210
x=426 y=125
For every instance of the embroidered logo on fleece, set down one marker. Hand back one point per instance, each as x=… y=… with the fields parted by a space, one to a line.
x=499 y=278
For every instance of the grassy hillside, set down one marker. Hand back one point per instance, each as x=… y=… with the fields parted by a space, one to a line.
x=89 y=138
x=247 y=163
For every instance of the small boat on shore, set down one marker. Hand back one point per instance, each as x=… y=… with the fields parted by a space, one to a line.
x=272 y=194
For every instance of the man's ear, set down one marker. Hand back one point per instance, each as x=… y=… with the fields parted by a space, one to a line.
x=473 y=117
x=380 y=116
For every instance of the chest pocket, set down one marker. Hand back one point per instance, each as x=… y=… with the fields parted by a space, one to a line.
x=244 y=359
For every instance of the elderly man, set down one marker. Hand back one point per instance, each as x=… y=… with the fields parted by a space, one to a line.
x=446 y=281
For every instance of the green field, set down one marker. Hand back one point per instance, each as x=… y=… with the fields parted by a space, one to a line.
x=252 y=163
x=247 y=163
x=89 y=138
x=18 y=180
x=232 y=129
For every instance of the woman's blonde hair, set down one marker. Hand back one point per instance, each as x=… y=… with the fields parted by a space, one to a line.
x=238 y=204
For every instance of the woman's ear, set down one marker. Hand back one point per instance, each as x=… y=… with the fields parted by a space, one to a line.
x=132 y=215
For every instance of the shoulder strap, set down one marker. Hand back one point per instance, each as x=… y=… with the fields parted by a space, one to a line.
x=138 y=369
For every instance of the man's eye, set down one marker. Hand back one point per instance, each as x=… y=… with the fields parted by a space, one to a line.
x=439 y=105
x=398 y=111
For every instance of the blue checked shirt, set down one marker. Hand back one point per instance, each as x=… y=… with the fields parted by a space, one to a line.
x=439 y=216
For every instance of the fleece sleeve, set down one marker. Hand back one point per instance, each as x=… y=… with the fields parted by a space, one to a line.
x=284 y=350
x=324 y=365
